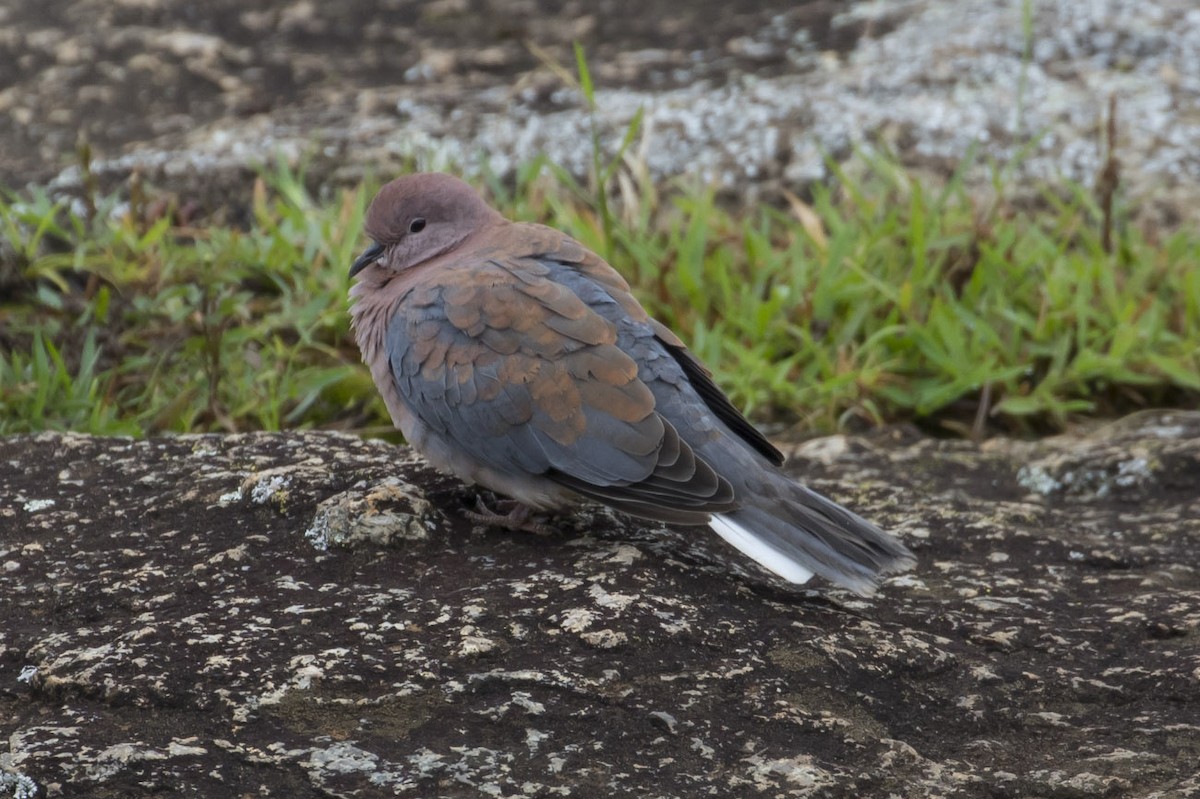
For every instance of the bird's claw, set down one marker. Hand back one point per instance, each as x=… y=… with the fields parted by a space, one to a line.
x=514 y=516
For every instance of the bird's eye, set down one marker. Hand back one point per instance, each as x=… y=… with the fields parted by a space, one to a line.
x=416 y=226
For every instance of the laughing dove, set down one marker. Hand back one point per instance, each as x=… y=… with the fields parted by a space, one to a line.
x=513 y=357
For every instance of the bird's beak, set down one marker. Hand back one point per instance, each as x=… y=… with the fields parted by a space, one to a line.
x=369 y=256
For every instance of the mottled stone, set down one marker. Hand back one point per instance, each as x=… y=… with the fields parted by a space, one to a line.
x=753 y=96
x=170 y=629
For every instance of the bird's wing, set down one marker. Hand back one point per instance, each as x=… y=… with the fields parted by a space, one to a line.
x=508 y=357
x=697 y=374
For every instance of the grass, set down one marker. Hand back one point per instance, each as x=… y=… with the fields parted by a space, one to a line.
x=884 y=299
x=202 y=327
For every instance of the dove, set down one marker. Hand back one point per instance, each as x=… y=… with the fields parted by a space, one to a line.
x=513 y=357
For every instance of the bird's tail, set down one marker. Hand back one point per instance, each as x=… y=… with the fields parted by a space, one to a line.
x=795 y=533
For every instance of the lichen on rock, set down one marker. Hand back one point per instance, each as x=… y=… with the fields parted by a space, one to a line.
x=165 y=632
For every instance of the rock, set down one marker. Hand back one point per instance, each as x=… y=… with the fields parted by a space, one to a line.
x=170 y=629
x=752 y=100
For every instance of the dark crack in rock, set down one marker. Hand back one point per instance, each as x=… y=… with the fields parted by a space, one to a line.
x=172 y=628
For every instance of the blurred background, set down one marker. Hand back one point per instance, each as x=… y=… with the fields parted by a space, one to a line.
x=973 y=217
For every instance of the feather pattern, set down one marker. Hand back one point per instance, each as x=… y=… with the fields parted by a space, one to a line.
x=514 y=357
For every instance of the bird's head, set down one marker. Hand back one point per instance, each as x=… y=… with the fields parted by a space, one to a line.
x=418 y=217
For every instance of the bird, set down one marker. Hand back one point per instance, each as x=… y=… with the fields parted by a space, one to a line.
x=512 y=356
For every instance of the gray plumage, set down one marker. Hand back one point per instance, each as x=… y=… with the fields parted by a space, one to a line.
x=515 y=358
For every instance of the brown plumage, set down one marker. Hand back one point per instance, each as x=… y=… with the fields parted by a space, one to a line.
x=515 y=358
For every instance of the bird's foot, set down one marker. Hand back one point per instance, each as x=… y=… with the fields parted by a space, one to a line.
x=511 y=515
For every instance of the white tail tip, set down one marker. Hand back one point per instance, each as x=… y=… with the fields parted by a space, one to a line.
x=754 y=547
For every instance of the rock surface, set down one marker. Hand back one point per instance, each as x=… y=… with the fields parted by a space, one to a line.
x=752 y=95
x=304 y=615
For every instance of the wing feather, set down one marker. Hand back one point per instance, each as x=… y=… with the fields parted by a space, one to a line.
x=518 y=367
